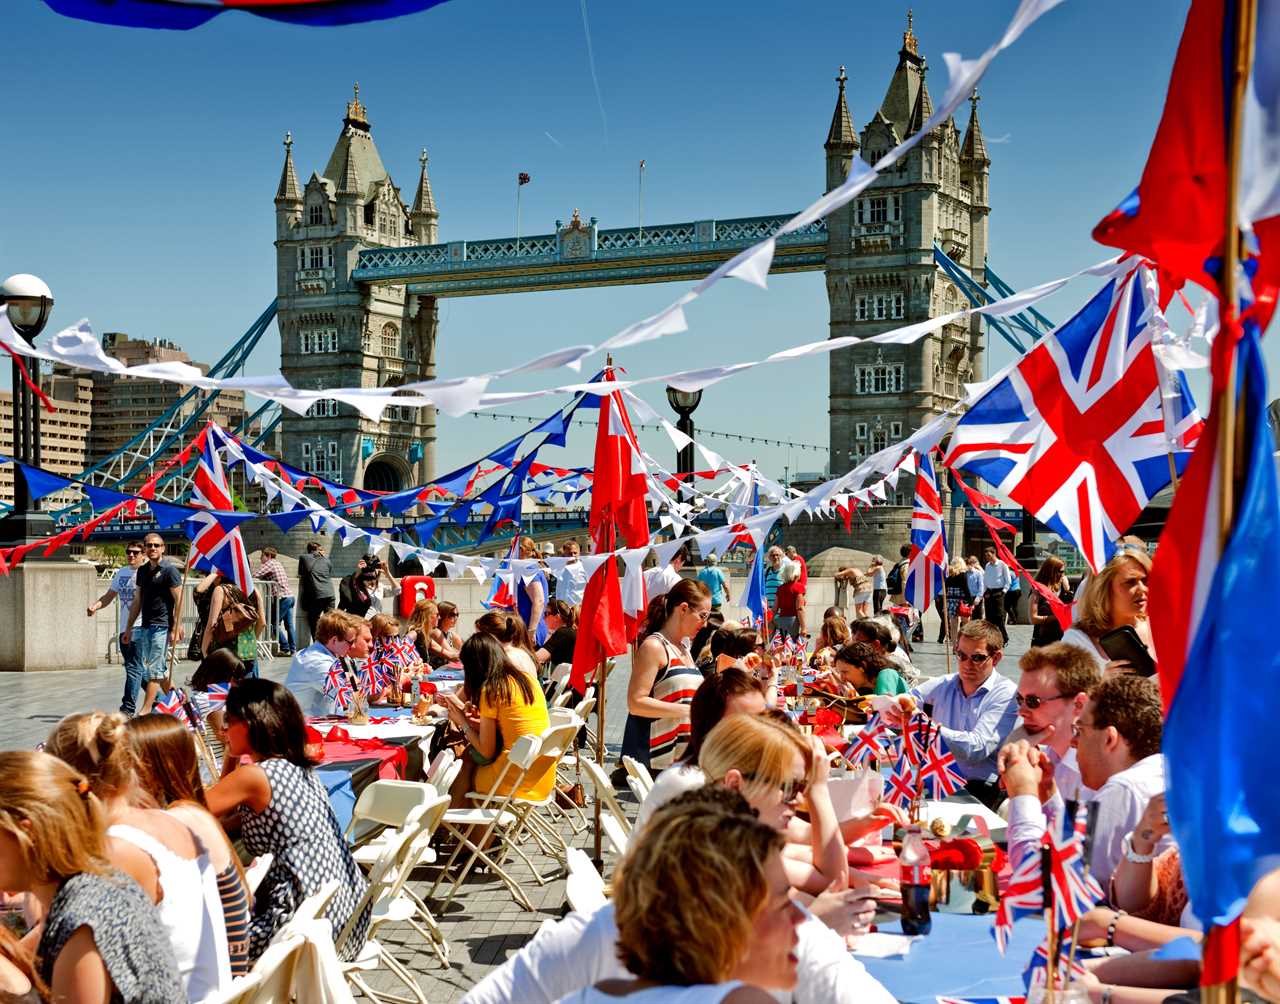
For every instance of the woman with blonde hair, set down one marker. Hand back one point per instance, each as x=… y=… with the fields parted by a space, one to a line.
x=423 y=622
x=170 y=861
x=1115 y=597
x=959 y=600
x=446 y=643
x=101 y=937
x=703 y=911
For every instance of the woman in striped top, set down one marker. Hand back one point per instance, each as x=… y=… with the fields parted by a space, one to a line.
x=168 y=771
x=664 y=676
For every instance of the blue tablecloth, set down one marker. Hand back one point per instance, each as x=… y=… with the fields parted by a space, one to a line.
x=959 y=958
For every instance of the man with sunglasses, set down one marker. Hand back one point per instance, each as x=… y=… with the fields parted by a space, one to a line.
x=159 y=585
x=974 y=706
x=1056 y=680
x=123 y=585
x=336 y=631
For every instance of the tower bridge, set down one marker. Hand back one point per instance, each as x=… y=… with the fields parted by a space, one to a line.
x=360 y=275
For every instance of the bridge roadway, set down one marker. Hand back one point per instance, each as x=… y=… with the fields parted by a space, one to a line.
x=580 y=255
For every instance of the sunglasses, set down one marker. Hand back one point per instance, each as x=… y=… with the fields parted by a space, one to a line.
x=153 y=544
x=977 y=658
x=791 y=789
x=133 y=554
x=1033 y=702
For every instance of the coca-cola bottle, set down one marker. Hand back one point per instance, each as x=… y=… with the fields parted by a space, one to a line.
x=915 y=875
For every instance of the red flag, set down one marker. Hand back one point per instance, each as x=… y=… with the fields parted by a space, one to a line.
x=602 y=626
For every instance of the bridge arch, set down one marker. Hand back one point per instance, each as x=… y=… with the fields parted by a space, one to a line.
x=386 y=472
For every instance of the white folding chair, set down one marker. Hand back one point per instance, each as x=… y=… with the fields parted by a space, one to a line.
x=610 y=809
x=439 y=764
x=492 y=819
x=386 y=878
x=584 y=888
x=559 y=681
x=615 y=834
x=383 y=805
x=537 y=815
x=639 y=780
x=274 y=978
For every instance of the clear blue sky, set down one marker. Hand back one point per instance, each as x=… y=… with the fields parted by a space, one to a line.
x=141 y=165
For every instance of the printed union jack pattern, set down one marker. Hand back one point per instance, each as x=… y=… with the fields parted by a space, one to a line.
x=372 y=675
x=938 y=776
x=173 y=703
x=337 y=686
x=1022 y=897
x=1074 y=893
x=1037 y=972
x=1075 y=434
x=215 y=536
x=901 y=791
x=981 y=1000
x=217 y=694
x=928 y=560
x=870 y=742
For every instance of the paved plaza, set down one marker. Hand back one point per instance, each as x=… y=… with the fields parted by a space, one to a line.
x=483 y=925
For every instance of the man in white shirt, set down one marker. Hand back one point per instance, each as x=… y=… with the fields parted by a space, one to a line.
x=571 y=583
x=1118 y=751
x=660 y=581
x=123 y=585
x=336 y=631
x=1055 y=684
x=996 y=579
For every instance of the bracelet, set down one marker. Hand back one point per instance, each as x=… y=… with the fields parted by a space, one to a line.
x=1126 y=847
x=1111 y=928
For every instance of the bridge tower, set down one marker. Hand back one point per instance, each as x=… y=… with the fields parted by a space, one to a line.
x=881 y=273
x=336 y=332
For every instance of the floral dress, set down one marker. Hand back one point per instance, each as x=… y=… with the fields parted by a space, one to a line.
x=299 y=829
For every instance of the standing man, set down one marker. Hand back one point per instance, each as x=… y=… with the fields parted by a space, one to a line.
x=315 y=584
x=571 y=583
x=660 y=581
x=715 y=579
x=282 y=609
x=123 y=585
x=159 y=585
x=1055 y=684
x=773 y=561
x=974 y=572
x=976 y=709
x=996 y=578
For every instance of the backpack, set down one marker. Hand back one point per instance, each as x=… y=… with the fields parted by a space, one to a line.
x=893 y=581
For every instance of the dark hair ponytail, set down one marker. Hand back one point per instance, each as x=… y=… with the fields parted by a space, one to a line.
x=277 y=727
x=690 y=591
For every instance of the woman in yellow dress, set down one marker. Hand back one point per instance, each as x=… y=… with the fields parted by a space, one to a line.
x=496 y=706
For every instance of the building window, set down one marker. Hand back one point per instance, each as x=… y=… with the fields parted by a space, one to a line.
x=860 y=430
x=896 y=305
x=316 y=257
x=390 y=342
x=880 y=308
x=879 y=439
x=862 y=308
x=315 y=215
x=321 y=340
x=323 y=409
x=879 y=210
x=897 y=208
x=321 y=458
x=302 y=257
x=880 y=378
x=895 y=430
x=304 y=343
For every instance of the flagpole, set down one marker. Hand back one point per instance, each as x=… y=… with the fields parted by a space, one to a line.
x=518 y=187
x=1046 y=885
x=601 y=675
x=177 y=619
x=640 y=201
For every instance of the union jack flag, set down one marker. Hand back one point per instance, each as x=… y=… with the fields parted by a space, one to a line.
x=1037 y=972
x=1022 y=897
x=902 y=790
x=405 y=651
x=928 y=558
x=915 y=739
x=215 y=536
x=217 y=694
x=337 y=686
x=981 y=1000
x=1074 y=893
x=1075 y=434
x=173 y=703
x=938 y=776
x=372 y=674
x=867 y=743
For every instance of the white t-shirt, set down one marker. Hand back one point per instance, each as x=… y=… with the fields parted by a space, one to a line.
x=1074 y=636
x=699 y=993
x=671 y=782
x=571 y=583
x=660 y=581
x=124 y=584
x=580 y=951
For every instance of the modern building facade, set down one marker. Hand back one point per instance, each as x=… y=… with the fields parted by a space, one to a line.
x=64 y=432
x=336 y=332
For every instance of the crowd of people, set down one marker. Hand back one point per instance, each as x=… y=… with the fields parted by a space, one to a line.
x=128 y=864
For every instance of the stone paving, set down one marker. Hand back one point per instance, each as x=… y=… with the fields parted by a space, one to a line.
x=483 y=925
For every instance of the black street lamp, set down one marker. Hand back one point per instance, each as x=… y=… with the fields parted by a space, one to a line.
x=28 y=302
x=684 y=403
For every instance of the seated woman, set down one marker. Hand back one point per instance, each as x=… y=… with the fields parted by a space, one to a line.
x=169 y=773
x=446 y=644
x=220 y=668
x=422 y=624
x=1115 y=597
x=704 y=913
x=385 y=630
x=562 y=622
x=168 y=859
x=498 y=705
x=101 y=938
x=284 y=811
x=832 y=636
x=860 y=669
x=511 y=633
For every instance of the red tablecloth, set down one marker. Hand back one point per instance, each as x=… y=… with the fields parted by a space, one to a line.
x=392 y=760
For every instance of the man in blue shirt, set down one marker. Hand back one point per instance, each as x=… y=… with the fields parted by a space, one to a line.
x=976 y=708
x=336 y=631
x=713 y=576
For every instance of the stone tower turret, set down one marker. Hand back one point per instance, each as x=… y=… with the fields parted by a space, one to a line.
x=423 y=216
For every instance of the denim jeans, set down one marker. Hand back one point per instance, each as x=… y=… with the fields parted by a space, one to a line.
x=152 y=643
x=283 y=619
x=132 y=676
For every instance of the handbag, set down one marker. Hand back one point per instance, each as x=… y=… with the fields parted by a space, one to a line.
x=237 y=614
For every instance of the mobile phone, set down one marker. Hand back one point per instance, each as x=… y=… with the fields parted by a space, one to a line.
x=1124 y=643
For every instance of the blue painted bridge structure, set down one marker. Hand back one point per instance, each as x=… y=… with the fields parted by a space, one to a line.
x=579 y=255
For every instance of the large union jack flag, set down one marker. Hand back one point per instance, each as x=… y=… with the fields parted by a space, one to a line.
x=1075 y=433
x=215 y=535
x=928 y=560
x=1022 y=897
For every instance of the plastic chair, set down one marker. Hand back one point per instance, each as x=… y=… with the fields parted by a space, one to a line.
x=605 y=795
x=441 y=762
x=274 y=977
x=584 y=889
x=639 y=773
x=382 y=805
x=559 y=681
x=536 y=815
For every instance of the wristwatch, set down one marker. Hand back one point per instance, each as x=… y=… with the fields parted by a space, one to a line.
x=1126 y=846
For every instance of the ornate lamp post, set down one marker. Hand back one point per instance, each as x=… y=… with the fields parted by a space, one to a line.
x=684 y=403
x=28 y=301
